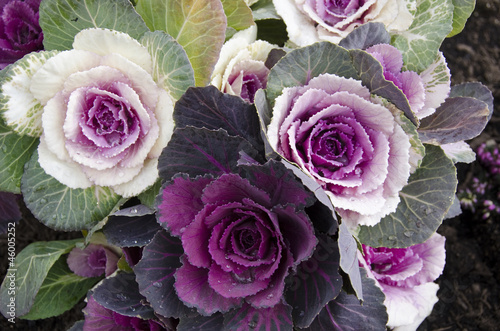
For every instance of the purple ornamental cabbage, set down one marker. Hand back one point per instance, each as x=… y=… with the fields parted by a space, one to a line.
x=240 y=239
x=99 y=318
x=92 y=261
x=20 y=32
x=351 y=145
x=406 y=277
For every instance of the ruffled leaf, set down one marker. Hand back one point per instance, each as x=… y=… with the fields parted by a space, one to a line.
x=155 y=275
x=316 y=282
x=32 y=266
x=249 y=318
x=136 y=228
x=120 y=294
x=171 y=67
x=300 y=65
x=60 y=291
x=420 y=43
x=347 y=313
x=61 y=20
x=61 y=208
x=209 y=108
x=197 y=151
x=199 y=26
x=457 y=119
x=425 y=201
x=365 y=36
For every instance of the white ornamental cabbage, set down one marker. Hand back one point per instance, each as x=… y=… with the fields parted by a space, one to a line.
x=101 y=118
x=309 y=21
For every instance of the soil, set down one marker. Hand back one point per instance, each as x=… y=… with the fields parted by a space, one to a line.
x=469 y=295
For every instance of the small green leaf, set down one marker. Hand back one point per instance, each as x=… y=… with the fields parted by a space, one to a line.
x=171 y=67
x=239 y=16
x=425 y=201
x=60 y=207
x=264 y=9
x=148 y=197
x=32 y=265
x=198 y=25
x=420 y=43
x=462 y=9
x=60 y=291
x=61 y=20
x=15 y=151
x=299 y=66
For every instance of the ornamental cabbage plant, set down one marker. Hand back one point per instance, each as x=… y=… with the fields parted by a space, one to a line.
x=406 y=277
x=309 y=21
x=101 y=117
x=20 y=32
x=351 y=145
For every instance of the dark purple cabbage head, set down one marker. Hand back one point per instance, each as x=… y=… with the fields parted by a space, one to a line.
x=99 y=318
x=20 y=32
x=92 y=261
x=241 y=238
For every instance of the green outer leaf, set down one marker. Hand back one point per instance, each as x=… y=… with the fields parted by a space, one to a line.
x=198 y=25
x=171 y=67
x=462 y=9
x=15 y=151
x=148 y=197
x=61 y=20
x=264 y=9
x=300 y=65
x=425 y=201
x=32 y=265
x=421 y=42
x=239 y=15
x=60 y=207
x=60 y=291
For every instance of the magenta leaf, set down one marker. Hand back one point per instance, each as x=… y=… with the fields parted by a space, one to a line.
x=457 y=119
x=155 y=275
x=366 y=35
x=198 y=151
x=121 y=295
x=316 y=282
x=249 y=318
x=346 y=312
x=134 y=226
x=207 y=107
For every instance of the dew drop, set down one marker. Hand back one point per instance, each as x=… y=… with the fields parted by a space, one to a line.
x=392 y=238
x=252 y=324
x=408 y=233
x=302 y=313
x=4 y=148
x=270 y=296
x=121 y=297
x=157 y=284
x=133 y=210
x=43 y=201
x=54 y=217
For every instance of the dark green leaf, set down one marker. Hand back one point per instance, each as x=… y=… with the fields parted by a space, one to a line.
x=365 y=36
x=474 y=90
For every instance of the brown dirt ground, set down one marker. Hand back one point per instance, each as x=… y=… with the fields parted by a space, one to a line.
x=469 y=287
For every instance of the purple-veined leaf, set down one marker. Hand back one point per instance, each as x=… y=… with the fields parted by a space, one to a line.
x=155 y=275
x=346 y=312
x=196 y=151
x=209 y=108
x=457 y=119
x=9 y=211
x=248 y=318
x=365 y=36
x=134 y=226
x=286 y=187
x=316 y=282
x=371 y=74
x=121 y=294
x=213 y=322
x=474 y=90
